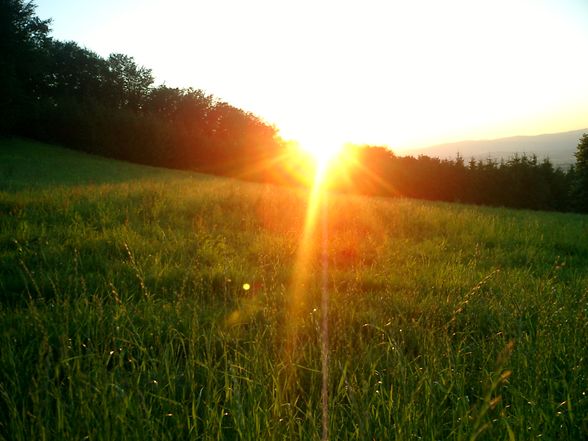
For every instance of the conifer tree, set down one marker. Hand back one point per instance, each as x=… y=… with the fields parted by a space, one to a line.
x=580 y=187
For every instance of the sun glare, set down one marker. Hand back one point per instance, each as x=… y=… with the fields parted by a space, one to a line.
x=323 y=152
x=321 y=149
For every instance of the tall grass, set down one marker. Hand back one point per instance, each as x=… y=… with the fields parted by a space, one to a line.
x=123 y=313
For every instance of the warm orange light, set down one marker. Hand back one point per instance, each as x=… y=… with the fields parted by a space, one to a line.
x=320 y=165
x=325 y=159
x=325 y=155
x=323 y=151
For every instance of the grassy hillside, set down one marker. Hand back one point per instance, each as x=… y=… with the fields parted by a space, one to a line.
x=124 y=312
x=28 y=164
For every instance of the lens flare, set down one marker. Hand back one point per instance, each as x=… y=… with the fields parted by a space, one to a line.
x=324 y=152
x=310 y=272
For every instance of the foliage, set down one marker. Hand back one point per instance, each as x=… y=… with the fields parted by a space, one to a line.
x=22 y=60
x=59 y=92
x=123 y=314
x=131 y=84
x=519 y=182
x=580 y=185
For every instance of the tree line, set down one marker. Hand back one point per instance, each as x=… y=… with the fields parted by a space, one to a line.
x=60 y=92
x=522 y=181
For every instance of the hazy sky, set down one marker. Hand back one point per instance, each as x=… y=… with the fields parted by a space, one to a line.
x=402 y=73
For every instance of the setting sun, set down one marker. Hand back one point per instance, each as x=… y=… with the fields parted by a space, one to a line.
x=322 y=150
x=321 y=163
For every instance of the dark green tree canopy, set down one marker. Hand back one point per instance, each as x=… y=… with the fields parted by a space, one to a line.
x=75 y=72
x=129 y=82
x=580 y=185
x=23 y=38
x=582 y=153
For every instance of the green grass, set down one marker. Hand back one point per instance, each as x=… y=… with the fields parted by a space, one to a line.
x=123 y=313
x=26 y=164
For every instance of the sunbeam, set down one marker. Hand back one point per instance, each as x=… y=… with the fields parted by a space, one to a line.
x=312 y=262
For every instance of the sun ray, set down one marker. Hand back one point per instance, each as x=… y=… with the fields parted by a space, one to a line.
x=308 y=278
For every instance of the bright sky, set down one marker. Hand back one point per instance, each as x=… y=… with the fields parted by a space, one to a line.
x=405 y=73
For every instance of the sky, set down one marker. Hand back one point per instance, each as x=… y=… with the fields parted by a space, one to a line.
x=405 y=74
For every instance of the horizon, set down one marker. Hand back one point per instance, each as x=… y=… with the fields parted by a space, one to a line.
x=406 y=77
x=412 y=151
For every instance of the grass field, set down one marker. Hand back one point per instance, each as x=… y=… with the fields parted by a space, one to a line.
x=124 y=312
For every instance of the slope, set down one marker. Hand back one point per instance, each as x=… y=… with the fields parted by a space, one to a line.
x=30 y=164
x=168 y=306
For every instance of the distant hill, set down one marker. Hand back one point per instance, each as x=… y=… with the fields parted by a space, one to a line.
x=558 y=147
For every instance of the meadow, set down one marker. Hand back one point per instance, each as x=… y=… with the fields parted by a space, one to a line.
x=142 y=303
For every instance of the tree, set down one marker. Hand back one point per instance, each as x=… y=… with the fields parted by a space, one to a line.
x=580 y=184
x=130 y=84
x=75 y=73
x=23 y=37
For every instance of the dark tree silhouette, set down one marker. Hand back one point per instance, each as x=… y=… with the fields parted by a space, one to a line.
x=580 y=180
x=23 y=37
x=129 y=82
x=75 y=73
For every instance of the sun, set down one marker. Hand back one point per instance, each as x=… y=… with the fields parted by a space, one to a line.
x=318 y=161
x=323 y=151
